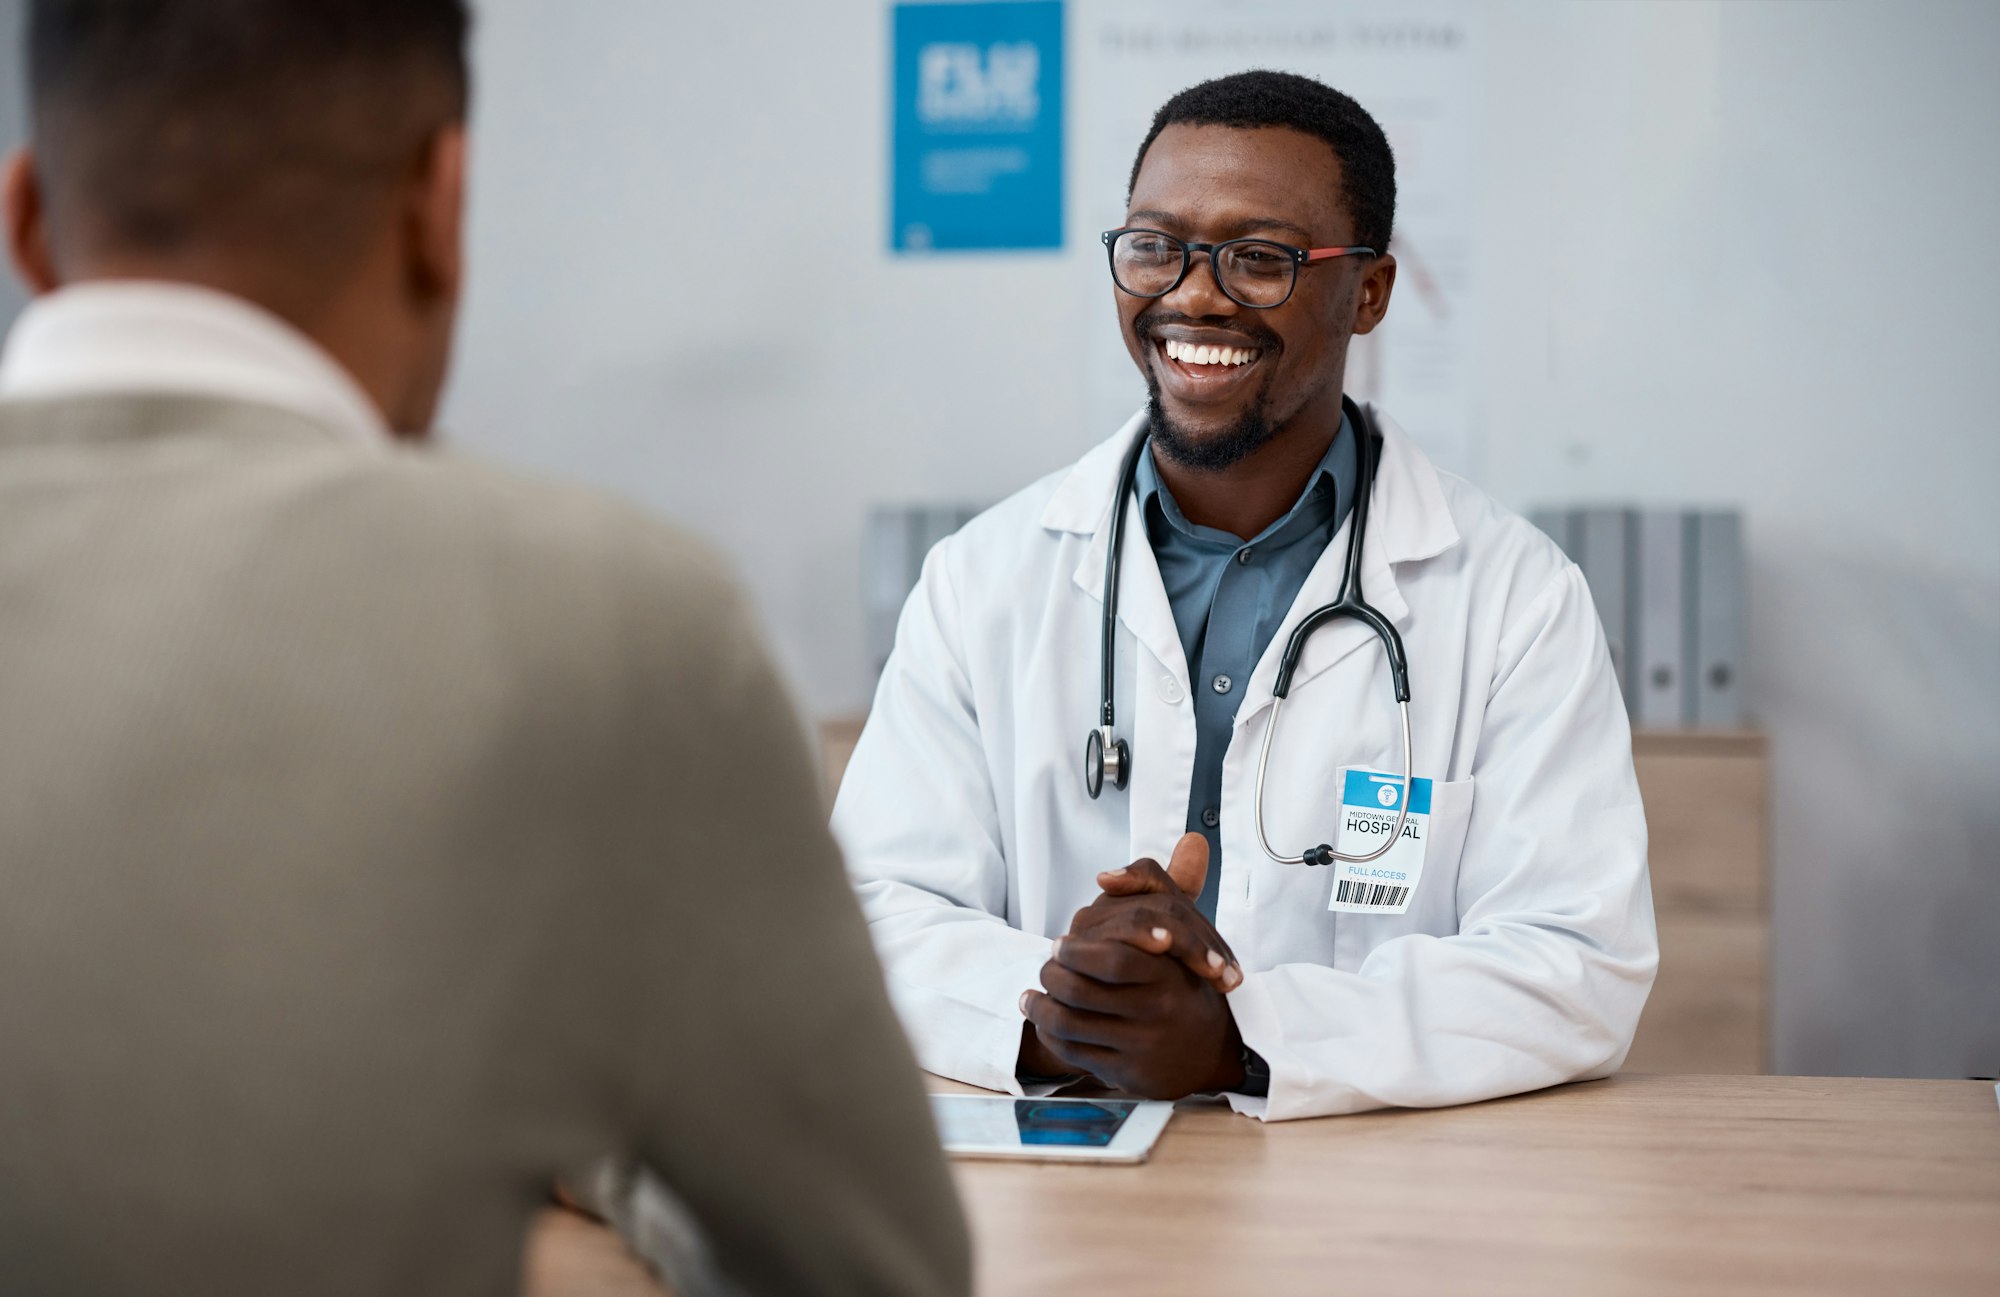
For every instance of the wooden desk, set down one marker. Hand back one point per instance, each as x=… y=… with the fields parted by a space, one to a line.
x=1644 y=1184
x=568 y=1255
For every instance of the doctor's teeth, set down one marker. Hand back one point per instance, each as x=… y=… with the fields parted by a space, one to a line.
x=1190 y=354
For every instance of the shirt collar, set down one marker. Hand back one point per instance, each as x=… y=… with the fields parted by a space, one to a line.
x=144 y=336
x=1328 y=493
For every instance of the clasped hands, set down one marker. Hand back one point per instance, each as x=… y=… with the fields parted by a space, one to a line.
x=1133 y=995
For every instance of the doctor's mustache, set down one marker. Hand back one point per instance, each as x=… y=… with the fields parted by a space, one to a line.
x=1149 y=323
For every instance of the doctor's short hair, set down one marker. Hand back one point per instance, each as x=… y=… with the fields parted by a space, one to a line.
x=1248 y=100
x=160 y=125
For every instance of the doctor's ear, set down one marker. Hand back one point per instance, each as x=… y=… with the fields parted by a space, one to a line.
x=1378 y=280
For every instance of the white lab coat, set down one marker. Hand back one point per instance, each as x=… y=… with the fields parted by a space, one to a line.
x=1529 y=947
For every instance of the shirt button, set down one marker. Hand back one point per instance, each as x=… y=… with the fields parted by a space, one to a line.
x=1209 y=818
x=1243 y=555
x=1170 y=690
x=1222 y=684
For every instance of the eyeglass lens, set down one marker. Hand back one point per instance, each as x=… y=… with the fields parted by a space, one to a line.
x=1256 y=273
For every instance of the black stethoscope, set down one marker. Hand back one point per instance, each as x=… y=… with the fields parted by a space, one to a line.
x=1105 y=755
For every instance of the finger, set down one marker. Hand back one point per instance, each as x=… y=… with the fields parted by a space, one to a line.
x=1094 y=1061
x=1140 y=920
x=1136 y=878
x=1116 y=1000
x=1185 y=938
x=1084 y=917
x=1114 y=909
x=1113 y=963
x=1189 y=866
x=1108 y=905
x=1062 y=1025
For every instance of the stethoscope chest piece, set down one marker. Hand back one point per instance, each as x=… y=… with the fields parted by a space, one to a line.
x=1105 y=756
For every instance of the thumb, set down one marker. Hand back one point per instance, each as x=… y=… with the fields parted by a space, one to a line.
x=1189 y=866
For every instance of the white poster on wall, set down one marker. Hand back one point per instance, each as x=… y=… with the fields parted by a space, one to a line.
x=1412 y=67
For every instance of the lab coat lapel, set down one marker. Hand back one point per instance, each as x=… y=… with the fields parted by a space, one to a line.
x=1154 y=711
x=1143 y=608
x=1083 y=503
x=1408 y=520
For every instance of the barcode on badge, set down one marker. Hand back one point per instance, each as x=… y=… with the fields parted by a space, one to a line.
x=1352 y=891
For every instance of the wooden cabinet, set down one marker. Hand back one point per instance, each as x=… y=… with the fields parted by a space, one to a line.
x=1707 y=798
x=1707 y=814
x=837 y=738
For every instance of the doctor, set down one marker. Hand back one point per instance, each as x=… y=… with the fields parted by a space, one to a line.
x=1504 y=939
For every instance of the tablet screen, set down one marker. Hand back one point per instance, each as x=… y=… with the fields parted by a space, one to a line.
x=1001 y=1122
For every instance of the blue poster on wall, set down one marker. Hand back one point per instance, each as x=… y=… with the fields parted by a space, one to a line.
x=977 y=157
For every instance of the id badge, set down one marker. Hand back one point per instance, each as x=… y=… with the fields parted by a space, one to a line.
x=1368 y=806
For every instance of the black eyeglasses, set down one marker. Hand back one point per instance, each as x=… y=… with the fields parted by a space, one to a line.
x=1253 y=272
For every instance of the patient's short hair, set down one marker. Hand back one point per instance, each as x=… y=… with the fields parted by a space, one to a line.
x=161 y=125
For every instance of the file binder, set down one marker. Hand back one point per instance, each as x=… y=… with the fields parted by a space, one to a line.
x=1664 y=695
x=1605 y=553
x=1556 y=525
x=897 y=540
x=1719 y=606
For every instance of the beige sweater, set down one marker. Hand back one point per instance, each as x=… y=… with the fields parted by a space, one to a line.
x=380 y=834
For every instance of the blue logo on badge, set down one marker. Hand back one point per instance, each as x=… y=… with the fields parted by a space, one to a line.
x=1373 y=788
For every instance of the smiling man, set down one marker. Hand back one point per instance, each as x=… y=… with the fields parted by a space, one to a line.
x=1428 y=884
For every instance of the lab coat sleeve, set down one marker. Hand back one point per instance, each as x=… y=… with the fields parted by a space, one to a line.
x=1556 y=948
x=918 y=819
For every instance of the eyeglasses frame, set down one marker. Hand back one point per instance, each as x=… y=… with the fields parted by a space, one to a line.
x=1300 y=257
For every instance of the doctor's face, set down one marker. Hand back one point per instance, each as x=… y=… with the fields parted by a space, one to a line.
x=1280 y=370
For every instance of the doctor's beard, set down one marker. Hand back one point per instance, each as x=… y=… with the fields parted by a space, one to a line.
x=1215 y=451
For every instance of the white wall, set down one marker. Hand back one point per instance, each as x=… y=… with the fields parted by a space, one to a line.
x=681 y=290
x=13 y=124
x=1746 y=253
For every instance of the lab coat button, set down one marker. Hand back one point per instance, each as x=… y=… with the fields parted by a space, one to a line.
x=1170 y=690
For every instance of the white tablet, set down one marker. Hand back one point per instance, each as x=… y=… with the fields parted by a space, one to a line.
x=1051 y=1130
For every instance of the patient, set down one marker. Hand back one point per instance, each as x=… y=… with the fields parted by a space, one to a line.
x=366 y=814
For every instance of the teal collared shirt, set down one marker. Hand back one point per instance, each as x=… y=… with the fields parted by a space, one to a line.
x=1229 y=597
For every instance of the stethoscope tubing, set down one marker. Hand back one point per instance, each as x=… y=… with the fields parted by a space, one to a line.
x=1107 y=755
x=1128 y=477
x=1325 y=854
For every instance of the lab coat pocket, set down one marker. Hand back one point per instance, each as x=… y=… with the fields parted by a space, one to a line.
x=1433 y=908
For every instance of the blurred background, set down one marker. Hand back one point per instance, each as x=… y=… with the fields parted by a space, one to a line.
x=1733 y=256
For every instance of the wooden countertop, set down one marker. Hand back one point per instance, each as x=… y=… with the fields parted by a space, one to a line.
x=1653 y=1184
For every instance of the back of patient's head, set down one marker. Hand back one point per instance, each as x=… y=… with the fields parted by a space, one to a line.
x=303 y=154
x=168 y=129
